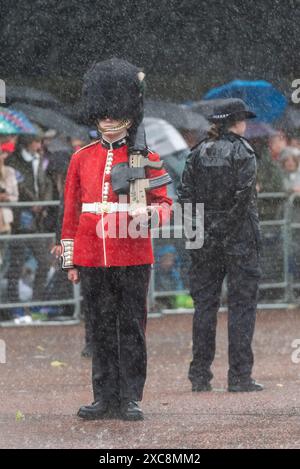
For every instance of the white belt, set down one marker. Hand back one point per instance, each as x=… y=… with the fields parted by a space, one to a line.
x=105 y=207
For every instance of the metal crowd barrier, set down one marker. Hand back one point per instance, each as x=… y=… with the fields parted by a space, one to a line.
x=293 y=219
x=280 y=260
x=280 y=263
x=54 y=306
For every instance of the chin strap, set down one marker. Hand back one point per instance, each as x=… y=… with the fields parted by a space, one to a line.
x=124 y=124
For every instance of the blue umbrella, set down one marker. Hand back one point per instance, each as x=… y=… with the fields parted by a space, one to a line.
x=260 y=96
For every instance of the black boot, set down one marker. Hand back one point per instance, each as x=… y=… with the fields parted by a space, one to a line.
x=97 y=410
x=248 y=386
x=130 y=410
x=201 y=387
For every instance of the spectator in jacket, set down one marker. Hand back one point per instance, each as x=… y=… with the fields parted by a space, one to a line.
x=33 y=186
x=8 y=191
x=289 y=160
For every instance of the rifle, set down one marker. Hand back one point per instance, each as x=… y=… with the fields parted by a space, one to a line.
x=139 y=184
x=131 y=178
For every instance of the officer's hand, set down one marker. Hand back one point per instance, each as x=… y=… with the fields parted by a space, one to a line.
x=73 y=275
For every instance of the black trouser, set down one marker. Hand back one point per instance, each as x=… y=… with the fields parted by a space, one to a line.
x=117 y=301
x=88 y=326
x=209 y=267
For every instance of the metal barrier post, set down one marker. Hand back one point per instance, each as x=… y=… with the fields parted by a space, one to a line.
x=292 y=226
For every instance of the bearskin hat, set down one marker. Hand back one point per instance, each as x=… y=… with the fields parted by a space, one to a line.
x=113 y=88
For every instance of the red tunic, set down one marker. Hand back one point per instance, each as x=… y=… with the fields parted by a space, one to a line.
x=88 y=180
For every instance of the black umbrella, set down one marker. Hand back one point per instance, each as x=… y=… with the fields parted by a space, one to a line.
x=59 y=155
x=29 y=95
x=57 y=145
x=176 y=115
x=205 y=107
x=48 y=118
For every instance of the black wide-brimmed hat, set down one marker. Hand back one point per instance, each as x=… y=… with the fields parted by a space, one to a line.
x=231 y=109
x=113 y=88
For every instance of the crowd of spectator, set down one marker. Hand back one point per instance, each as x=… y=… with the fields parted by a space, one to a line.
x=33 y=169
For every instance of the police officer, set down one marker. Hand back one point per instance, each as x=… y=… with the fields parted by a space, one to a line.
x=221 y=174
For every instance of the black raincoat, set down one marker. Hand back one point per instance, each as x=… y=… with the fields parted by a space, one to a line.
x=221 y=174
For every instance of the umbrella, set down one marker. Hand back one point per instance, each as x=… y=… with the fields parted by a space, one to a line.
x=176 y=115
x=59 y=145
x=15 y=123
x=162 y=137
x=259 y=130
x=290 y=119
x=48 y=118
x=60 y=153
x=29 y=95
x=204 y=107
x=261 y=97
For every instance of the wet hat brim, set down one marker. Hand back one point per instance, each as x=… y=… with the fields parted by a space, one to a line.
x=242 y=115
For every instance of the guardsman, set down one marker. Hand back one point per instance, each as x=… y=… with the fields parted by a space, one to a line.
x=106 y=242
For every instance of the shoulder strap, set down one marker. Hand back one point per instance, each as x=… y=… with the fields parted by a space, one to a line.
x=86 y=146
